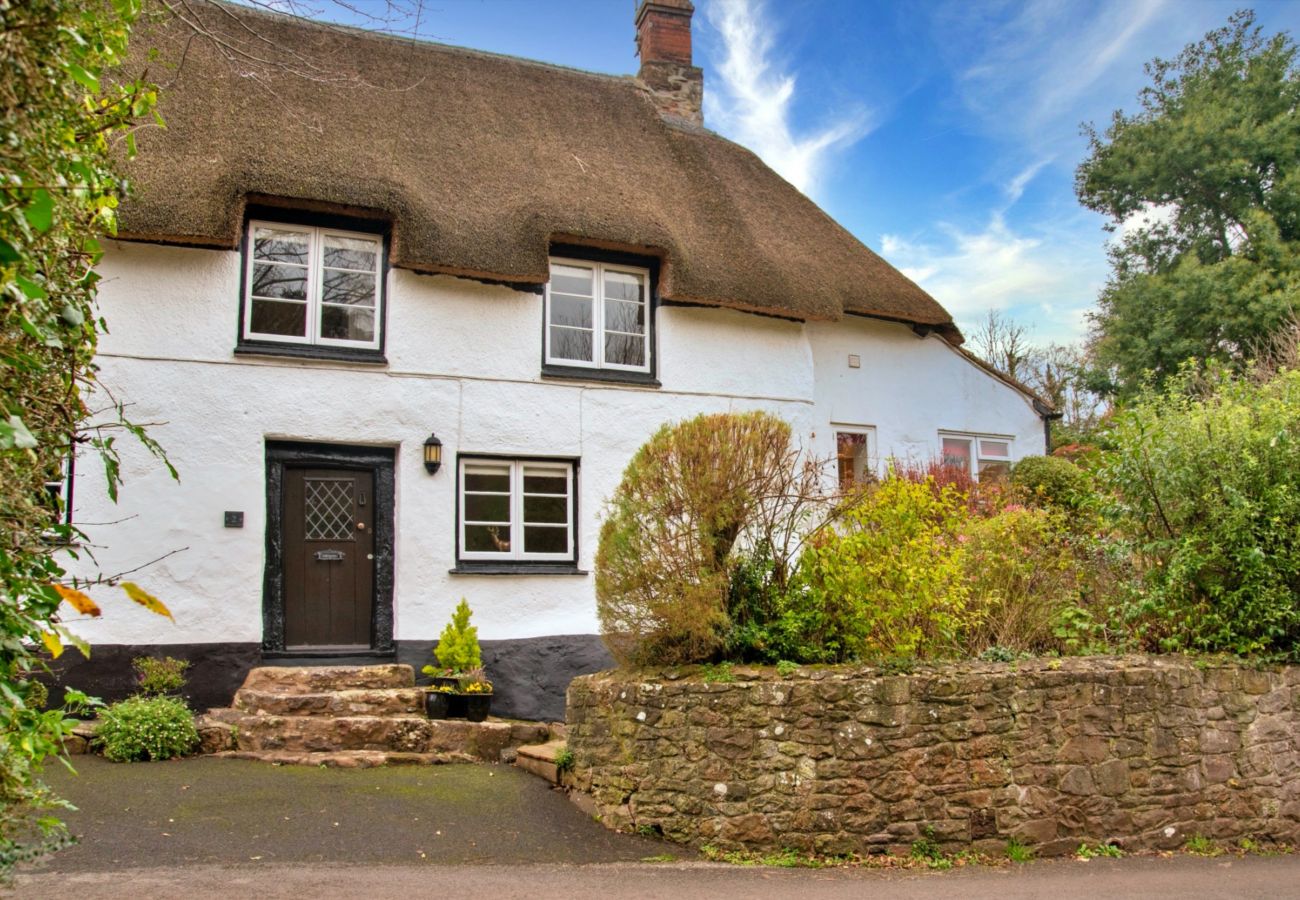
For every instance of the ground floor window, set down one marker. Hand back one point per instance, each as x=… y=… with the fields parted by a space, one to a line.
x=852 y=455
x=516 y=509
x=983 y=456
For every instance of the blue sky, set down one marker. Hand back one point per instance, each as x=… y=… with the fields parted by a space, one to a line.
x=943 y=133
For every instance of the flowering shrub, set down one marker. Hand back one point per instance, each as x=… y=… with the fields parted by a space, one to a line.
x=145 y=728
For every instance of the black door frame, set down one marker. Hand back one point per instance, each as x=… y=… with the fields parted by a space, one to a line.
x=379 y=460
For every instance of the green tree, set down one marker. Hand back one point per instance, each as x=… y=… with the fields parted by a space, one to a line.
x=1210 y=165
x=59 y=117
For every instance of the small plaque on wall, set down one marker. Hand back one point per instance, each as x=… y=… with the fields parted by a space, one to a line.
x=234 y=519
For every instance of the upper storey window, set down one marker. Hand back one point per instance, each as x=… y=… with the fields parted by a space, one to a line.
x=312 y=286
x=598 y=315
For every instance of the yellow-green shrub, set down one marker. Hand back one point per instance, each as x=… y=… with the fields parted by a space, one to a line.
x=1023 y=575
x=889 y=579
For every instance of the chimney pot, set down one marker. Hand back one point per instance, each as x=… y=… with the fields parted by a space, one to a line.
x=663 y=41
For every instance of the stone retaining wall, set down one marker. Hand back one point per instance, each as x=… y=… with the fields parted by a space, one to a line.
x=1141 y=751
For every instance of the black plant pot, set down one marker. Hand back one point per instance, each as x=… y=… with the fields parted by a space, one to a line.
x=437 y=705
x=477 y=706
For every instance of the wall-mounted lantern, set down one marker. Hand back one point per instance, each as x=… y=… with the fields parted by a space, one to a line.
x=432 y=454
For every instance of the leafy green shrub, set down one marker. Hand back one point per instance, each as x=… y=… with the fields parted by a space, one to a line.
x=458 y=648
x=1052 y=481
x=691 y=495
x=888 y=581
x=145 y=728
x=160 y=677
x=1206 y=476
x=1022 y=575
x=564 y=759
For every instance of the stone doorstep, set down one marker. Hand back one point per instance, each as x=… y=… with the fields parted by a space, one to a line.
x=350 y=702
x=539 y=759
x=323 y=679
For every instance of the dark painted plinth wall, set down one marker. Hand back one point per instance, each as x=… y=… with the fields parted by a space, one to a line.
x=530 y=675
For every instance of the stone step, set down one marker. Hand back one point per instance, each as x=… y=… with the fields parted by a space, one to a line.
x=254 y=731
x=355 y=702
x=344 y=759
x=322 y=679
x=539 y=759
x=484 y=741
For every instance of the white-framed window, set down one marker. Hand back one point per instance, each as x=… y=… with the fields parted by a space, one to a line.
x=516 y=509
x=312 y=286
x=598 y=316
x=982 y=455
x=853 y=454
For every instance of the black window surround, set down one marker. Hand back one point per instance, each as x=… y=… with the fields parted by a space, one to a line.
x=517 y=566
x=245 y=346
x=615 y=376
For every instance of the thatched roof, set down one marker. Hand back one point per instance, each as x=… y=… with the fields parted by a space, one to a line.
x=481 y=162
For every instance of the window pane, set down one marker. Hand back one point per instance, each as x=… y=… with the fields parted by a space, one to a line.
x=956 y=452
x=541 y=539
x=570 y=343
x=351 y=253
x=623 y=286
x=280 y=246
x=537 y=483
x=269 y=317
x=487 y=508
x=351 y=288
x=346 y=323
x=622 y=350
x=992 y=471
x=487 y=538
x=571 y=280
x=851 y=457
x=488 y=479
x=995 y=448
x=628 y=317
x=279 y=282
x=571 y=311
x=546 y=509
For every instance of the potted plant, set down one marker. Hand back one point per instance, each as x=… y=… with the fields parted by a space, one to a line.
x=476 y=693
x=459 y=664
x=438 y=701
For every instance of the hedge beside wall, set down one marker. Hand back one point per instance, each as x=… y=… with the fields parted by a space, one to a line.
x=1141 y=751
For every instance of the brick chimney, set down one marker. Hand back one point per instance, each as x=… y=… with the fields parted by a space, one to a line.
x=663 y=41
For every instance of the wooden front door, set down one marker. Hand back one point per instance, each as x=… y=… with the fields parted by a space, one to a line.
x=328 y=558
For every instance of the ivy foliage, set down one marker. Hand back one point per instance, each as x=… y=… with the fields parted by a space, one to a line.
x=1211 y=161
x=59 y=117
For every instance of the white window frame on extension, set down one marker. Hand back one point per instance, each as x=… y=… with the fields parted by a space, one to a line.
x=314 y=301
x=980 y=456
x=598 y=317
x=517 y=469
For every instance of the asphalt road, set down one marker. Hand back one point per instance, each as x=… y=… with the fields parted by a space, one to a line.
x=209 y=828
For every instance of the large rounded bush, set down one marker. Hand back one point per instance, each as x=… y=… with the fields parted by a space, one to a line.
x=1052 y=481
x=662 y=566
x=144 y=728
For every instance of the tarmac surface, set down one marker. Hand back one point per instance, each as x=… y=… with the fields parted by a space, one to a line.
x=210 y=828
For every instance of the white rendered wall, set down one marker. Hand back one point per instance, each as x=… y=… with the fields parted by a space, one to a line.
x=463 y=361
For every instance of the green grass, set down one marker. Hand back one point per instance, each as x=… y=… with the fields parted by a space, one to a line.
x=1018 y=852
x=1098 y=851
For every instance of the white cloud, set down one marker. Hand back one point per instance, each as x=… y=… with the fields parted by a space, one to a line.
x=753 y=102
x=1040 y=279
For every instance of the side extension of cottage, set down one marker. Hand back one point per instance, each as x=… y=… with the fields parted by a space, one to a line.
x=400 y=314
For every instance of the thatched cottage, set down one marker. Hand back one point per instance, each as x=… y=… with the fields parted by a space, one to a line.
x=402 y=312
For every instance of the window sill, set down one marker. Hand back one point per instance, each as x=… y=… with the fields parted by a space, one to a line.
x=612 y=376
x=305 y=351
x=520 y=568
